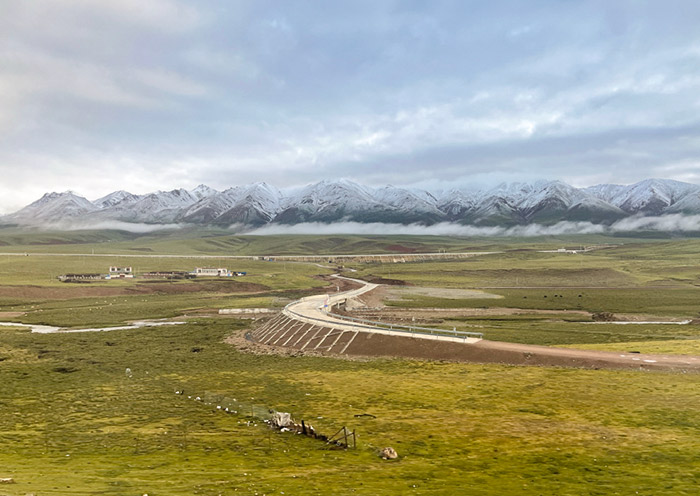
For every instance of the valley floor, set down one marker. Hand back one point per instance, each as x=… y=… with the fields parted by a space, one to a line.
x=98 y=413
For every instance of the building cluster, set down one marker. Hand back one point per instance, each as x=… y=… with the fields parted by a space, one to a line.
x=128 y=273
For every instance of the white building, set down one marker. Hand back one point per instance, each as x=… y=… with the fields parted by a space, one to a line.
x=120 y=273
x=209 y=272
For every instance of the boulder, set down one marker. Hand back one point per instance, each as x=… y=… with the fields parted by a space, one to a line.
x=388 y=453
x=281 y=419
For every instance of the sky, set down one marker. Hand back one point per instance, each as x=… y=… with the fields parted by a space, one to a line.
x=102 y=95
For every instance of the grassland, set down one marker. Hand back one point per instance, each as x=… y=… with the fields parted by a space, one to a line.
x=30 y=285
x=73 y=422
x=211 y=241
x=645 y=281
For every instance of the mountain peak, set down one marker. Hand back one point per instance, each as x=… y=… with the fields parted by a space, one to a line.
x=540 y=201
x=202 y=191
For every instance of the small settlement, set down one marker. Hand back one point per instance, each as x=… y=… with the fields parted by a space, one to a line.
x=128 y=273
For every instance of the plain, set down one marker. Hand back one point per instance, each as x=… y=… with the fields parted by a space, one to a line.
x=73 y=421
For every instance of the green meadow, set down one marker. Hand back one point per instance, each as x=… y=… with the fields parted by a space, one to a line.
x=73 y=421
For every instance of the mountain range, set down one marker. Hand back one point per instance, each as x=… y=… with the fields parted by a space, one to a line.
x=508 y=204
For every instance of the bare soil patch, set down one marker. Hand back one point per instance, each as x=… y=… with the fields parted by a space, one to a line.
x=337 y=283
x=9 y=315
x=374 y=298
x=638 y=317
x=447 y=293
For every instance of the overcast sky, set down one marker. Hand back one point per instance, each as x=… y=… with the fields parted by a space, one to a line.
x=100 y=95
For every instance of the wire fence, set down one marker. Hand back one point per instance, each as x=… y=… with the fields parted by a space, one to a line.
x=271 y=417
x=231 y=405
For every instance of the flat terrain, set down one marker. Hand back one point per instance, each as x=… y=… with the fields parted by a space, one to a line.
x=74 y=421
x=323 y=323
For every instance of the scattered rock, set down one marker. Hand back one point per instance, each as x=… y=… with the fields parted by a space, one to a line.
x=360 y=415
x=7 y=480
x=281 y=419
x=388 y=453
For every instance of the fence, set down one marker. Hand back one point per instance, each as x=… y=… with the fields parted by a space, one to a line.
x=235 y=406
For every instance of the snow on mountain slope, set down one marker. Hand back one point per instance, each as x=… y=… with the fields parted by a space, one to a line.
x=254 y=204
x=543 y=202
x=327 y=201
x=160 y=207
x=549 y=200
x=689 y=204
x=651 y=196
x=209 y=208
x=405 y=200
x=203 y=191
x=53 y=207
x=118 y=197
x=458 y=204
x=605 y=192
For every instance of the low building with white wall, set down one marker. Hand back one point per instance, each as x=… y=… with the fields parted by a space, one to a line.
x=212 y=272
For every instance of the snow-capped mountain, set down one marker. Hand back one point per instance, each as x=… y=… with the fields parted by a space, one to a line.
x=254 y=204
x=421 y=206
x=328 y=201
x=523 y=203
x=542 y=202
x=456 y=203
x=651 y=196
x=163 y=206
x=112 y=199
x=689 y=204
x=53 y=207
x=203 y=191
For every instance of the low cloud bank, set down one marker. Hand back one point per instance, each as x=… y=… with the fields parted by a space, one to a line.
x=115 y=225
x=666 y=223
x=441 y=229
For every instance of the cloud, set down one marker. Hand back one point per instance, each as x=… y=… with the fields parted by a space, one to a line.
x=115 y=225
x=389 y=92
x=666 y=223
